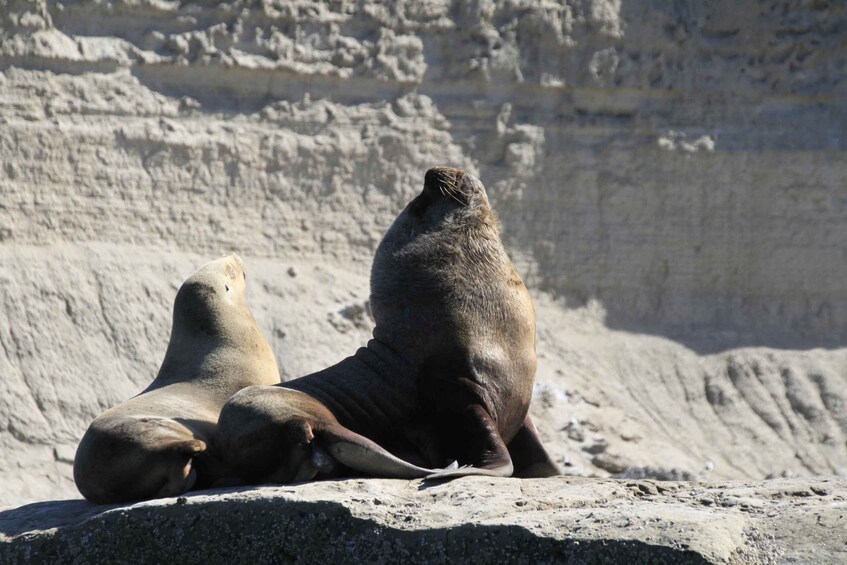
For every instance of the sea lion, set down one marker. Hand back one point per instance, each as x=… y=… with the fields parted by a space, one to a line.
x=448 y=375
x=159 y=443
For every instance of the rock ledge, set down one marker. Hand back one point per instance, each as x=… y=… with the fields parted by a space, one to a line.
x=487 y=520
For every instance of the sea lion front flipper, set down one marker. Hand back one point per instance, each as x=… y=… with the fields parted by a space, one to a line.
x=488 y=454
x=359 y=453
x=530 y=458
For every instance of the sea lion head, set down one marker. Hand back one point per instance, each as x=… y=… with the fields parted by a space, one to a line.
x=449 y=196
x=453 y=205
x=113 y=450
x=211 y=300
x=440 y=252
x=267 y=434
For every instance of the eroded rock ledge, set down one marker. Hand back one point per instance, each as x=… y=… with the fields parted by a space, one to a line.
x=486 y=520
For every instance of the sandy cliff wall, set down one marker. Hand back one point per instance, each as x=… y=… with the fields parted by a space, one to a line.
x=669 y=180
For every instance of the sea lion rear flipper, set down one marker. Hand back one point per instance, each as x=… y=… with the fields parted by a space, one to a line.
x=488 y=453
x=360 y=453
x=529 y=456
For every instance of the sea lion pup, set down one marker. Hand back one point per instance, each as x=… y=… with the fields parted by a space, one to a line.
x=159 y=443
x=447 y=376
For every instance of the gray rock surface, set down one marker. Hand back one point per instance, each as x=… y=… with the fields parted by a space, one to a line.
x=471 y=519
x=669 y=177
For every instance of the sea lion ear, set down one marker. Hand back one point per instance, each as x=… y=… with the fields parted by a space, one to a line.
x=299 y=432
x=185 y=446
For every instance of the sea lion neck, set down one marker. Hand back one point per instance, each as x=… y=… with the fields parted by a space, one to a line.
x=367 y=392
x=386 y=360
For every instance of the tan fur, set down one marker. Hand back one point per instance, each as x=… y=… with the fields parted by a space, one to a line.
x=159 y=443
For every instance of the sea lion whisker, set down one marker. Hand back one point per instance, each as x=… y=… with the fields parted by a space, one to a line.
x=451 y=190
x=448 y=188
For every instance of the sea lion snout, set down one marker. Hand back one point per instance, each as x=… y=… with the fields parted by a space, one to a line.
x=445 y=182
x=452 y=183
x=437 y=177
x=234 y=267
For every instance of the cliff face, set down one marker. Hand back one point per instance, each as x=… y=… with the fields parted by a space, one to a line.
x=669 y=180
x=681 y=165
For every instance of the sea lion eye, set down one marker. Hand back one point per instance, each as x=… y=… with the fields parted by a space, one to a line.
x=226 y=286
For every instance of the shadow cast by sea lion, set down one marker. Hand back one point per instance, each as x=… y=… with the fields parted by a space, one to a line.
x=47 y=515
x=335 y=534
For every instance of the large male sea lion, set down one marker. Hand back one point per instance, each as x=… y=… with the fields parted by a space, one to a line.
x=447 y=376
x=159 y=443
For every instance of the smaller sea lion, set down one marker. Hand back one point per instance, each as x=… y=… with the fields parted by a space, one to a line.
x=159 y=443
